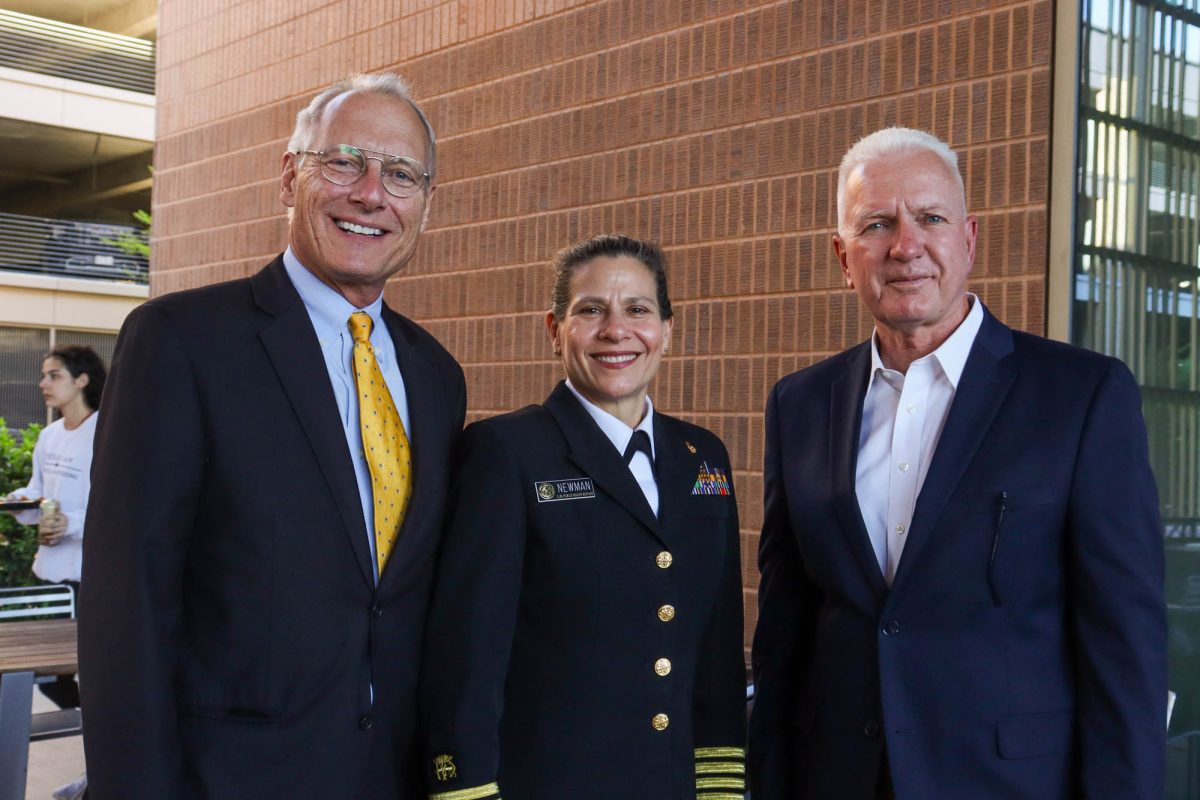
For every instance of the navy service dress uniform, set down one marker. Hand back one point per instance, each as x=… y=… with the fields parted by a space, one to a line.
x=578 y=647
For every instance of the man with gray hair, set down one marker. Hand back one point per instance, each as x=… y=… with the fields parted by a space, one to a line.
x=961 y=554
x=270 y=474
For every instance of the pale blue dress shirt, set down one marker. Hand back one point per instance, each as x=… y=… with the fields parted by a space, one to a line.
x=330 y=313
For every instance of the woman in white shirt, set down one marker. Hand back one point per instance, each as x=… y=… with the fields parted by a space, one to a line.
x=72 y=381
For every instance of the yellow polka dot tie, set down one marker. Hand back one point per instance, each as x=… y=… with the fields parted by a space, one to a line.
x=385 y=444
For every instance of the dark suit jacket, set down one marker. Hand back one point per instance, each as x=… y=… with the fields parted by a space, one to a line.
x=231 y=634
x=545 y=628
x=1017 y=654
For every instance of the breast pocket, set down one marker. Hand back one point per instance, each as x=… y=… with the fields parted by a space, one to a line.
x=708 y=506
x=1021 y=529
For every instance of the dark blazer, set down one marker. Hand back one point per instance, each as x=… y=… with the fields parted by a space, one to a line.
x=1020 y=652
x=545 y=627
x=230 y=631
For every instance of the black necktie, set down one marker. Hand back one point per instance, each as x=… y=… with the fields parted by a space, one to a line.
x=639 y=441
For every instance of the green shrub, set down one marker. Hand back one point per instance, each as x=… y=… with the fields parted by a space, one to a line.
x=18 y=542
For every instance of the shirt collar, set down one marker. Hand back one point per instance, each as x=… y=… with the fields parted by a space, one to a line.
x=617 y=431
x=951 y=355
x=328 y=309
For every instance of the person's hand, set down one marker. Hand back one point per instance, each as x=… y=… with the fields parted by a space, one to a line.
x=51 y=529
x=14 y=498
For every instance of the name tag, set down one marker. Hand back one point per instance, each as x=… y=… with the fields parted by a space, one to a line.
x=567 y=489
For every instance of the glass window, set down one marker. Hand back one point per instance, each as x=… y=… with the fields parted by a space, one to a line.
x=1136 y=283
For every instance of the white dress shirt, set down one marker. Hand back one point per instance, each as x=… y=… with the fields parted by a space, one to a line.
x=330 y=313
x=62 y=469
x=619 y=434
x=902 y=420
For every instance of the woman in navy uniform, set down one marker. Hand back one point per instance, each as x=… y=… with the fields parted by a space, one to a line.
x=585 y=638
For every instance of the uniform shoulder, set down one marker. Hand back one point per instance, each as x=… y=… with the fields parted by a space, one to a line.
x=690 y=432
x=514 y=426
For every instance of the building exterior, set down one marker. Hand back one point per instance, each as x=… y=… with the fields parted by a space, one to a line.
x=77 y=135
x=716 y=127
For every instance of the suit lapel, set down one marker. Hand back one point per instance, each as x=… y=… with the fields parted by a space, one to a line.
x=291 y=344
x=986 y=379
x=593 y=452
x=846 y=396
x=423 y=411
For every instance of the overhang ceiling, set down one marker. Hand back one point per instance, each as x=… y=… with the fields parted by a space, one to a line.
x=130 y=17
x=45 y=154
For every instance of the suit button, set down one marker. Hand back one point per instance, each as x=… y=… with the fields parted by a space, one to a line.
x=365 y=722
x=662 y=667
x=666 y=613
x=663 y=559
x=660 y=722
x=377 y=611
x=871 y=729
x=892 y=628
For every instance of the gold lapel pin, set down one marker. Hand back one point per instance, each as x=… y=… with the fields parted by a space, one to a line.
x=691 y=447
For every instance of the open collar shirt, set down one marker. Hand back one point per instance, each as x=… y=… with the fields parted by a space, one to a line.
x=902 y=420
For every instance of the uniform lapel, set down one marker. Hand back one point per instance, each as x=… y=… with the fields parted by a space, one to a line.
x=593 y=452
x=986 y=379
x=291 y=344
x=846 y=396
x=676 y=470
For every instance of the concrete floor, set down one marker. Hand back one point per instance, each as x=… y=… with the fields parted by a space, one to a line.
x=52 y=763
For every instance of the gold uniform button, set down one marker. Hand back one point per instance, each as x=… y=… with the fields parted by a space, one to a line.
x=662 y=666
x=660 y=722
x=666 y=613
x=663 y=559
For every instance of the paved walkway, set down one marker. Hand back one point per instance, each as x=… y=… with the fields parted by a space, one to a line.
x=52 y=763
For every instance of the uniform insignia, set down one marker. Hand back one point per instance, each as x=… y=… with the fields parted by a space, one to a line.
x=711 y=480
x=443 y=767
x=691 y=448
x=564 y=489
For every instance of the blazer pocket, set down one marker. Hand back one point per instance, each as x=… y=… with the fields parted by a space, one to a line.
x=708 y=506
x=232 y=714
x=1033 y=735
x=1014 y=499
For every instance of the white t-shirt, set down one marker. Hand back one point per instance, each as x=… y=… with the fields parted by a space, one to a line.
x=62 y=469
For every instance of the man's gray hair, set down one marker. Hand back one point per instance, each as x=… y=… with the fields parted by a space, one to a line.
x=385 y=83
x=890 y=142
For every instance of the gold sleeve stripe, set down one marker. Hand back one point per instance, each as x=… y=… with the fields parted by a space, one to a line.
x=490 y=791
x=719 y=796
x=718 y=767
x=721 y=752
x=721 y=783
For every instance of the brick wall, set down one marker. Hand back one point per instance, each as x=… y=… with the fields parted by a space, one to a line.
x=714 y=127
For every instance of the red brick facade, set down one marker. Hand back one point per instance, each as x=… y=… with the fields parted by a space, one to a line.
x=714 y=127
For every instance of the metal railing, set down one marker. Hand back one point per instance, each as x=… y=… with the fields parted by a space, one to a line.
x=61 y=50
x=66 y=248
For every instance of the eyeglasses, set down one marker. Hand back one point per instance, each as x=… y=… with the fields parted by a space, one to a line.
x=343 y=164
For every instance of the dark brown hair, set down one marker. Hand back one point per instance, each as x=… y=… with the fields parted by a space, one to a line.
x=608 y=245
x=82 y=360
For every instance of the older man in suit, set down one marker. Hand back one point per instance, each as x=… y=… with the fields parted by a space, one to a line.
x=961 y=555
x=270 y=475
